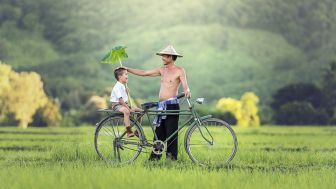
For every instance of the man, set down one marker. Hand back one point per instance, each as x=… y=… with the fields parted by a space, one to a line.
x=171 y=78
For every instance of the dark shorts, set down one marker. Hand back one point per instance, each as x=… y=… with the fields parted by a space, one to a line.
x=167 y=127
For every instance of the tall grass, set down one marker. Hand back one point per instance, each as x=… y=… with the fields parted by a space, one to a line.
x=268 y=157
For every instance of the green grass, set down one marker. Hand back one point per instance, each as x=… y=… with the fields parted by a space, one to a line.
x=267 y=157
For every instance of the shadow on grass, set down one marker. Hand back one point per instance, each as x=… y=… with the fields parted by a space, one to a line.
x=24 y=148
x=40 y=133
x=37 y=139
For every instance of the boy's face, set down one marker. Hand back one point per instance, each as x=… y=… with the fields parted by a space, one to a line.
x=124 y=77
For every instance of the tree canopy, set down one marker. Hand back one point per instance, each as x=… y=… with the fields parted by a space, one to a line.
x=234 y=46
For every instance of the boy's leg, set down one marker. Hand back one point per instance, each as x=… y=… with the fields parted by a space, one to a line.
x=161 y=134
x=126 y=113
x=136 y=109
x=127 y=121
x=171 y=127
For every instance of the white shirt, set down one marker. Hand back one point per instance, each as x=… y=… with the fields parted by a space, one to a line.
x=118 y=91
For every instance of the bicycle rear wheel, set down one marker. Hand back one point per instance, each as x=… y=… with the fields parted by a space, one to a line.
x=211 y=143
x=112 y=143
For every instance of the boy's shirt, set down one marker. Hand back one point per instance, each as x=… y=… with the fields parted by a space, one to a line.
x=118 y=91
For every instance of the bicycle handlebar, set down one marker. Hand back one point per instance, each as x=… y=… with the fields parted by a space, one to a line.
x=180 y=95
x=183 y=95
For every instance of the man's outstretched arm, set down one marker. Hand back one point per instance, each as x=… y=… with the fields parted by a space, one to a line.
x=152 y=73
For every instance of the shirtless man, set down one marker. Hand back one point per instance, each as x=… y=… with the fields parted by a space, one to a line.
x=171 y=78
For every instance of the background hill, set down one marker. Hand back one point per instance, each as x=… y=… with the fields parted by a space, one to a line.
x=229 y=47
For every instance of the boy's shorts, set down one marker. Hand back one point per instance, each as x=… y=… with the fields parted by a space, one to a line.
x=116 y=106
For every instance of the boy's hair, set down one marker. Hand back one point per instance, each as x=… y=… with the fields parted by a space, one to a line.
x=174 y=57
x=118 y=72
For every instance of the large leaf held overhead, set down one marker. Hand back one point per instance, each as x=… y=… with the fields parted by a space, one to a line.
x=115 y=55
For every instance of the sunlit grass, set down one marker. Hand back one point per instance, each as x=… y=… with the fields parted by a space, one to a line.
x=273 y=157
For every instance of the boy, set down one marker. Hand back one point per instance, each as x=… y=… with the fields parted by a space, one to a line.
x=119 y=98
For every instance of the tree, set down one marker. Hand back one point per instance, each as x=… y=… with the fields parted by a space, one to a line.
x=300 y=104
x=245 y=110
x=301 y=113
x=329 y=89
x=90 y=113
x=250 y=108
x=51 y=112
x=25 y=96
x=298 y=92
x=5 y=72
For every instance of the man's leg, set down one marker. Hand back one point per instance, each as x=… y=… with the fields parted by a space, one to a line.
x=161 y=134
x=171 y=127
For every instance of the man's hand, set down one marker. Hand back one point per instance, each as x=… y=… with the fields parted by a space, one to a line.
x=187 y=93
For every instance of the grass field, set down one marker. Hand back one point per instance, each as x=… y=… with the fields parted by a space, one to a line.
x=267 y=157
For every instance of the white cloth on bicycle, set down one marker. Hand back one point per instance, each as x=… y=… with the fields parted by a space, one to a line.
x=162 y=105
x=118 y=91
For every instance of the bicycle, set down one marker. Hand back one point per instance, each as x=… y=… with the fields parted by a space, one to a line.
x=207 y=140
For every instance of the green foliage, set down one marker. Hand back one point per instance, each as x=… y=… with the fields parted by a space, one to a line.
x=299 y=92
x=90 y=114
x=211 y=110
x=234 y=46
x=301 y=113
x=305 y=103
x=329 y=89
x=71 y=118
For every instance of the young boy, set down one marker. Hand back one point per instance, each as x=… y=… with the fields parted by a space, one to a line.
x=119 y=98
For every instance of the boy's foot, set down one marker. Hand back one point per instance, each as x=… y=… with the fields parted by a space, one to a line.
x=129 y=132
x=129 y=135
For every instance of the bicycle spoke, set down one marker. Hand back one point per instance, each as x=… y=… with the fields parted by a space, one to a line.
x=108 y=131
x=112 y=144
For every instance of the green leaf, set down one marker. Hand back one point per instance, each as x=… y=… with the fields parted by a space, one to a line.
x=116 y=54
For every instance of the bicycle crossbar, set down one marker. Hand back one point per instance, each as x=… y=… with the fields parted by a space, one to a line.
x=151 y=112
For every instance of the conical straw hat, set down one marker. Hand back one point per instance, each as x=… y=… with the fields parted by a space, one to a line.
x=170 y=51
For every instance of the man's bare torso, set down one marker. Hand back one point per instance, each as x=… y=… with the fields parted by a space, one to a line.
x=170 y=82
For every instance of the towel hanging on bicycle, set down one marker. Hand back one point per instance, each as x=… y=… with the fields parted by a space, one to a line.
x=162 y=106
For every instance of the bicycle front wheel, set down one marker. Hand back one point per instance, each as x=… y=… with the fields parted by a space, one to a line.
x=213 y=142
x=112 y=143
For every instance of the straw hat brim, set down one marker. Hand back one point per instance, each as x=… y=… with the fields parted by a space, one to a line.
x=160 y=54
